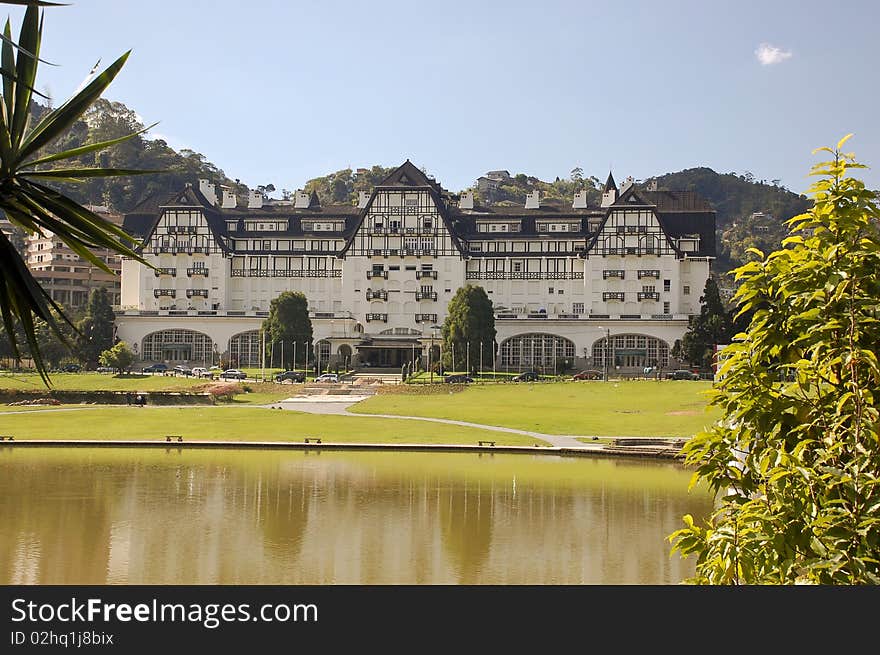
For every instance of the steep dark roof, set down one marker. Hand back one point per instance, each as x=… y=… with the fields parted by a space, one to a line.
x=609 y=183
x=407 y=175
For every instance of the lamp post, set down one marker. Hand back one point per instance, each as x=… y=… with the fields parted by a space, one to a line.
x=434 y=329
x=609 y=350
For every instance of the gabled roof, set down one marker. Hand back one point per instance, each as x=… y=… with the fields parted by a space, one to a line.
x=407 y=175
x=188 y=197
x=632 y=197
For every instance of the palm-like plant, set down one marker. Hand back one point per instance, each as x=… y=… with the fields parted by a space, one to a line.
x=24 y=171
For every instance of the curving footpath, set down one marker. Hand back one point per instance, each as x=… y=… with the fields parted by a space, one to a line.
x=339 y=405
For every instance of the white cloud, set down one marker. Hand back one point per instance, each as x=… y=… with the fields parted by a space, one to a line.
x=769 y=54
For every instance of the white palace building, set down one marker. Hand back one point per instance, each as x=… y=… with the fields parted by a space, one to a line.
x=563 y=277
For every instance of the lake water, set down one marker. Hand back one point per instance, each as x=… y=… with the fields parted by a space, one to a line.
x=169 y=516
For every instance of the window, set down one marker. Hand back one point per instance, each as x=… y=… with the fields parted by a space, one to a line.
x=686 y=290
x=577 y=308
x=550 y=290
x=666 y=285
x=666 y=308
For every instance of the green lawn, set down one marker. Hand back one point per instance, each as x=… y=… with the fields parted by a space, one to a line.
x=624 y=408
x=224 y=423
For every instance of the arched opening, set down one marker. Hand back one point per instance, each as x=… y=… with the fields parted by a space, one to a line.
x=322 y=354
x=176 y=345
x=538 y=351
x=631 y=351
x=244 y=349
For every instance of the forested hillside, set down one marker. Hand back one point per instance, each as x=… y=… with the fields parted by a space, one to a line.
x=735 y=198
x=109 y=120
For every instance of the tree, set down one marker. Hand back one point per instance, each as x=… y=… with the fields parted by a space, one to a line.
x=96 y=328
x=795 y=460
x=25 y=197
x=289 y=322
x=705 y=331
x=119 y=357
x=470 y=323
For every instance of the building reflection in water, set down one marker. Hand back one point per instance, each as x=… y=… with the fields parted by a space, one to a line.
x=108 y=516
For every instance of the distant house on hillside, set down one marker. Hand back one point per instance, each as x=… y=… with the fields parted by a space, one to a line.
x=489 y=183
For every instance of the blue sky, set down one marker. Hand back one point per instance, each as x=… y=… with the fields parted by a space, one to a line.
x=280 y=92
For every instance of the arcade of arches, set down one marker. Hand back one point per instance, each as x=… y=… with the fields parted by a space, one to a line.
x=533 y=350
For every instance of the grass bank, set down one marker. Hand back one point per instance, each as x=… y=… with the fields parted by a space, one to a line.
x=224 y=423
x=638 y=408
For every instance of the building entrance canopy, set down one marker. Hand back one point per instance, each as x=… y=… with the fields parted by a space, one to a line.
x=389 y=352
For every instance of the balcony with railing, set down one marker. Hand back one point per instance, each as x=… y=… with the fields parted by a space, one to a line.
x=654 y=273
x=158 y=293
x=377 y=317
x=375 y=274
x=196 y=293
x=426 y=274
x=426 y=318
x=618 y=273
x=613 y=295
x=377 y=294
x=285 y=272
x=165 y=271
x=197 y=271
x=648 y=295
x=524 y=275
x=426 y=295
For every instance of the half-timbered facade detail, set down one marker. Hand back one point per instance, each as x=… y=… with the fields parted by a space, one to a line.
x=378 y=275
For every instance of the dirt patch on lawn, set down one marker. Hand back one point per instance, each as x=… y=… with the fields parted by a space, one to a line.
x=683 y=412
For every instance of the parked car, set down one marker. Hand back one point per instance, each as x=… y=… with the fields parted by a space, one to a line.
x=293 y=376
x=155 y=368
x=71 y=368
x=526 y=376
x=459 y=378
x=327 y=377
x=201 y=372
x=182 y=370
x=683 y=374
x=233 y=374
x=589 y=374
x=105 y=369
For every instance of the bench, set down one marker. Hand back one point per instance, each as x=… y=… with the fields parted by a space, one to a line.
x=312 y=439
x=171 y=437
x=486 y=443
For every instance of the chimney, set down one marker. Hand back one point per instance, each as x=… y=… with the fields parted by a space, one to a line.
x=229 y=199
x=363 y=199
x=580 y=200
x=652 y=185
x=627 y=183
x=209 y=191
x=255 y=199
x=467 y=200
x=533 y=200
x=301 y=200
